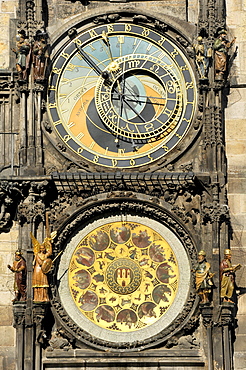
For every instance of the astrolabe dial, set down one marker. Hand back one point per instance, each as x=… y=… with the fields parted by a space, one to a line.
x=121 y=95
x=123 y=276
x=143 y=99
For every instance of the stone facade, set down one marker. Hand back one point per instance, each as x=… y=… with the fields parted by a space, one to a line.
x=33 y=169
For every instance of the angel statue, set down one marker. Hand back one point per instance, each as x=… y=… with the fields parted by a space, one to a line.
x=41 y=266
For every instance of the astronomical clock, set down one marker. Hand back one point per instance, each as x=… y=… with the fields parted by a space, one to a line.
x=121 y=133
x=124 y=282
x=122 y=95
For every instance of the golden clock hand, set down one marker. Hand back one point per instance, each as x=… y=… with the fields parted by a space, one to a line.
x=143 y=101
x=113 y=65
x=106 y=39
x=148 y=97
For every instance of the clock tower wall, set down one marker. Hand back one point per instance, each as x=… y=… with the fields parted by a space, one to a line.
x=114 y=137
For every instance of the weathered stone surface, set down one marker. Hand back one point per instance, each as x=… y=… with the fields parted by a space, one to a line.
x=240 y=359
x=8 y=6
x=6 y=315
x=7 y=358
x=7 y=336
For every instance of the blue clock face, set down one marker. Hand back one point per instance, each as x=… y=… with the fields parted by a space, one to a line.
x=121 y=95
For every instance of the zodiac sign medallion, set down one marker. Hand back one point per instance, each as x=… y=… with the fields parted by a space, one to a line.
x=123 y=276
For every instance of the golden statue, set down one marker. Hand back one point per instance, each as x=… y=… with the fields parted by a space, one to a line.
x=227 y=277
x=204 y=277
x=42 y=264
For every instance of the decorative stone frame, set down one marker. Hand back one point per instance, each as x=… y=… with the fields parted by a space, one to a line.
x=112 y=207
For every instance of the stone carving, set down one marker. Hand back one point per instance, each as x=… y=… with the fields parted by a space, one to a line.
x=47 y=126
x=59 y=341
x=214 y=212
x=33 y=206
x=204 y=276
x=40 y=56
x=19 y=314
x=107 y=18
x=202 y=57
x=140 y=18
x=19 y=269
x=22 y=52
x=187 y=207
x=160 y=25
x=227 y=277
x=10 y=196
x=188 y=342
x=221 y=47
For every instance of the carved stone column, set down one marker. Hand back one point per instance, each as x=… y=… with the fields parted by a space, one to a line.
x=19 y=321
x=207 y=317
x=227 y=326
x=31 y=216
x=39 y=312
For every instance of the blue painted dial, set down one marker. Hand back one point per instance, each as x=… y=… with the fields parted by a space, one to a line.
x=121 y=95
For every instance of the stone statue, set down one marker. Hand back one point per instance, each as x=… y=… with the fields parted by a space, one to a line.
x=221 y=48
x=58 y=341
x=19 y=268
x=22 y=53
x=202 y=57
x=204 y=277
x=227 y=277
x=41 y=266
x=40 y=57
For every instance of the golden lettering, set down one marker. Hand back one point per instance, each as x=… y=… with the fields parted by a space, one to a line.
x=174 y=53
x=121 y=152
x=93 y=33
x=121 y=39
x=66 y=138
x=96 y=158
x=114 y=162
x=165 y=148
x=52 y=105
x=189 y=85
x=80 y=135
x=128 y=27
x=65 y=55
x=92 y=145
x=133 y=63
x=149 y=126
x=56 y=70
x=110 y=27
x=145 y=32
x=162 y=40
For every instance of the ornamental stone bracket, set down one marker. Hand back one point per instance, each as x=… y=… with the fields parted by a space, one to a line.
x=207 y=316
x=227 y=315
x=19 y=310
x=40 y=311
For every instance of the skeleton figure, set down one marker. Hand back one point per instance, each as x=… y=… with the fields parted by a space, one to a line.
x=202 y=55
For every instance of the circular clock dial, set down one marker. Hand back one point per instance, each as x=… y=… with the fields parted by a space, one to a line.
x=118 y=277
x=121 y=95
